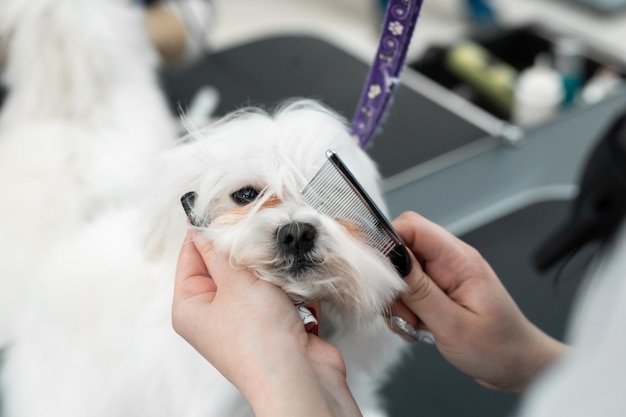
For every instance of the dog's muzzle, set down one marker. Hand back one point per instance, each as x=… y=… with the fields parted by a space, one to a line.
x=296 y=239
x=295 y=242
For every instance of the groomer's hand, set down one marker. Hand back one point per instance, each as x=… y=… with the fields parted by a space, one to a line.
x=478 y=328
x=250 y=331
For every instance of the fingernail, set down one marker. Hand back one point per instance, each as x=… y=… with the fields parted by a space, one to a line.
x=308 y=320
x=315 y=328
x=403 y=327
x=306 y=316
x=425 y=336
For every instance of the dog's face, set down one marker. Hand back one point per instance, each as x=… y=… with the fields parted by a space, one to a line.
x=250 y=205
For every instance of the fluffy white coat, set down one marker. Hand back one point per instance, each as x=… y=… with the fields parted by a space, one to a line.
x=97 y=339
x=84 y=108
x=92 y=224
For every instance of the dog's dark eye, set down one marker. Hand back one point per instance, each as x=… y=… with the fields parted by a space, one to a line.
x=245 y=195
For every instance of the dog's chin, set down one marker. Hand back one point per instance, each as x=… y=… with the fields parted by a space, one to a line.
x=299 y=268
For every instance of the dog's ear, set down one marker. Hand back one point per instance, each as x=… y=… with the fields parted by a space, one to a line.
x=188 y=200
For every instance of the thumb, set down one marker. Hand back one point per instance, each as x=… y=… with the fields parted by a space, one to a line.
x=429 y=302
x=191 y=278
x=219 y=267
x=214 y=263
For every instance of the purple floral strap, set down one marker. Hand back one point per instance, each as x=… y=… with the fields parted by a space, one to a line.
x=384 y=73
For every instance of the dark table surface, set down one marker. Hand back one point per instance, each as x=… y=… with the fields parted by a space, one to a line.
x=267 y=71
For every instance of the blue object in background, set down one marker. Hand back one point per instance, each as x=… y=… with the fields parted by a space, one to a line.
x=571 y=85
x=481 y=12
x=569 y=62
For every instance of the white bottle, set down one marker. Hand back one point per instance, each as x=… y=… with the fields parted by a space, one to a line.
x=538 y=93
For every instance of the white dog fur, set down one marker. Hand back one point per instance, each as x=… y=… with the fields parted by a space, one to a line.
x=92 y=224
x=84 y=108
x=97 y=339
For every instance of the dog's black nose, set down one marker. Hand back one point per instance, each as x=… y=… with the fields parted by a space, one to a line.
x=296 y=238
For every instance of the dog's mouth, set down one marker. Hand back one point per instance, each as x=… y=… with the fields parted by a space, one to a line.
x=298 y=267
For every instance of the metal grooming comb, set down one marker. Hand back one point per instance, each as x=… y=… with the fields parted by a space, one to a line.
x=333 y=191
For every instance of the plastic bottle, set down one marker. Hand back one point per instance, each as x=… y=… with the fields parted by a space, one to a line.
x=538 y=93
x=569 y=62
x=488 y=75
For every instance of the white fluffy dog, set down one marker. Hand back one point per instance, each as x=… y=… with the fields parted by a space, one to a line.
x=98 y=341
x=83 y=109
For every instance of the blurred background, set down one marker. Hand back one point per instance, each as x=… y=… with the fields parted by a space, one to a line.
x=498 y=105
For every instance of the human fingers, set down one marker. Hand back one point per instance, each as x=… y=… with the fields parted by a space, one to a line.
x=399 y=309
x=243 y=293
x=428 y=241
x=311 y=324
x=220 y=269
x=194 y=292
x=428 y=302
x=407 y=325
x=444 y=256
x=240 y=290
x=192 y=278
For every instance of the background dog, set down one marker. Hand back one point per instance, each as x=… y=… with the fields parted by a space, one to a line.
x=83 y=110
x=97 y=339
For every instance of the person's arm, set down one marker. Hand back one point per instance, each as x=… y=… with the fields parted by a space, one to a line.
x=250 y=331
x=477 y=326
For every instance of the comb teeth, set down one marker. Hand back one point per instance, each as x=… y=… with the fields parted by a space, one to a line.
x=335 y=193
